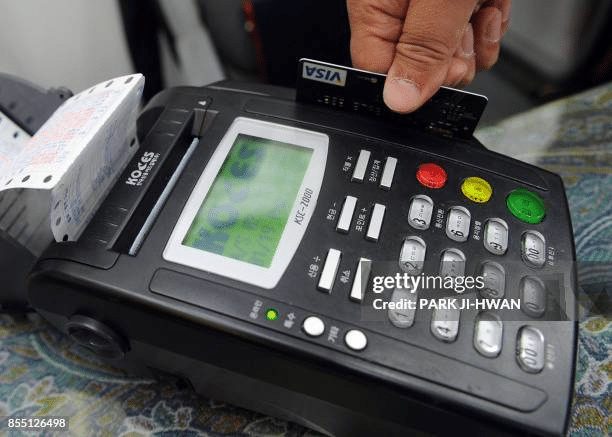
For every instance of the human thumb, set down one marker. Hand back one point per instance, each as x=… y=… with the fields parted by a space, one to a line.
x=423 y=56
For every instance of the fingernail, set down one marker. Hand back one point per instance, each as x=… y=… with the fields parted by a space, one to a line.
x=467 y=42
x=493 y=29
x=401 y=95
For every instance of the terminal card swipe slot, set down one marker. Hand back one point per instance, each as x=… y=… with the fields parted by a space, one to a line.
x=143 y=181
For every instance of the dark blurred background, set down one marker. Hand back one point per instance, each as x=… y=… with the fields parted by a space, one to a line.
x=551 y=49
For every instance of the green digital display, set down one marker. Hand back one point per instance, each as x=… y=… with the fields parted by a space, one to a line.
x=248 y=204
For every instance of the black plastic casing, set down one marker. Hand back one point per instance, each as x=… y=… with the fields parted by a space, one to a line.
x=147 y=314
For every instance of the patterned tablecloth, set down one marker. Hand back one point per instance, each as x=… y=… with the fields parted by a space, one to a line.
x=44 y=373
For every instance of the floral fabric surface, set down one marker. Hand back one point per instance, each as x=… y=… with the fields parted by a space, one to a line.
x=43 y=373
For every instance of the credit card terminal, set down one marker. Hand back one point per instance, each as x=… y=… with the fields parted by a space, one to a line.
x=360 y=275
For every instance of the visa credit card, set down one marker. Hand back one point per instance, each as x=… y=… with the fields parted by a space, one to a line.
x=449 y=113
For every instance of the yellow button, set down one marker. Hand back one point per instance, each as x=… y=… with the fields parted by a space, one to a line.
x=477 y=189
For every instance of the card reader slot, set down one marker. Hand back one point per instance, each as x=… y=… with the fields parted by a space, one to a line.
x=135 y=201
x=479 y=157
x=154 y=191
x=161 y=200
x=126 y=208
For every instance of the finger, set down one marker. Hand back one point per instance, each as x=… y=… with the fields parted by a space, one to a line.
x=375 y=28
x=469 y=75
x=456 y=73
x=462 y=68
x=487 y=24
x=468 y=54
x=504 y=6
x=431 y=33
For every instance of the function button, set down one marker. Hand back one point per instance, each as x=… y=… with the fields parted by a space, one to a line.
x=330 y=268
x=313 y=326
x=404 y=301
x=419 y=215
x=431 y=175
x=526 y=205
x=530 y=349
x=496 y=236
x=388 y=172
x=533 y=246
x=360 y=167
x=362 y=274
x=533 y=296
x=445 y=324
x=494 y=278
x=452 y=263
x=488 y=333
x=356 y=340
x=458 y=224
x=412 y=255
x=476 y=189
x=376 y=220
x=346 y=215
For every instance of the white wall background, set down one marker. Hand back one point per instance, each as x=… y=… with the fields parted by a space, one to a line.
x=79 y=43
x=72 y=43
x=548 y=33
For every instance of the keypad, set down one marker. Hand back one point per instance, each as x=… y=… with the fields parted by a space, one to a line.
x=356 y=340
x=526 y=205
x=431 y=175
x=330 y=269
x=488 y=331
x=360 y=282
x=476 y=189
x=421 y=208
x=530 y=349
x=452 y=263
x=346 y=214
x=313 y=326
x=533 y=296
x=376 y=221
x=533 y=246
x=457 y=225
x=496 y=236
x=445 y=323
x=412 y=256
x=402 y=316
x=494 y=277
x=388 y=172
x=361 y=166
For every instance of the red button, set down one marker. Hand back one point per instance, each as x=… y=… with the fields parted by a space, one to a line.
x=431 y=175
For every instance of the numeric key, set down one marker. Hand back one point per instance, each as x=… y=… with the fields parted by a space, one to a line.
x=458 y=224
x=419 y=215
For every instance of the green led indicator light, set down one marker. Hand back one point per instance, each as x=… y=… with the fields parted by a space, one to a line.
x=271 y=314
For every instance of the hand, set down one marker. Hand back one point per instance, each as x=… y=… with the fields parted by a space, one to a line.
x=423 y=44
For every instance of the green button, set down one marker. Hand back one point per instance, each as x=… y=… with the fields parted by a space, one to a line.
x=526 y=205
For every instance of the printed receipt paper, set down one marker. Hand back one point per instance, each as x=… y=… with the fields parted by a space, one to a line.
x=52 y=183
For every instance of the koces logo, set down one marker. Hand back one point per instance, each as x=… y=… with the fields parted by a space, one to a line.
x=143 y=167
x=320 y=73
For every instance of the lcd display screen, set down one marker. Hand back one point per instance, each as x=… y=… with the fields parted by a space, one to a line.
x=247 y=207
